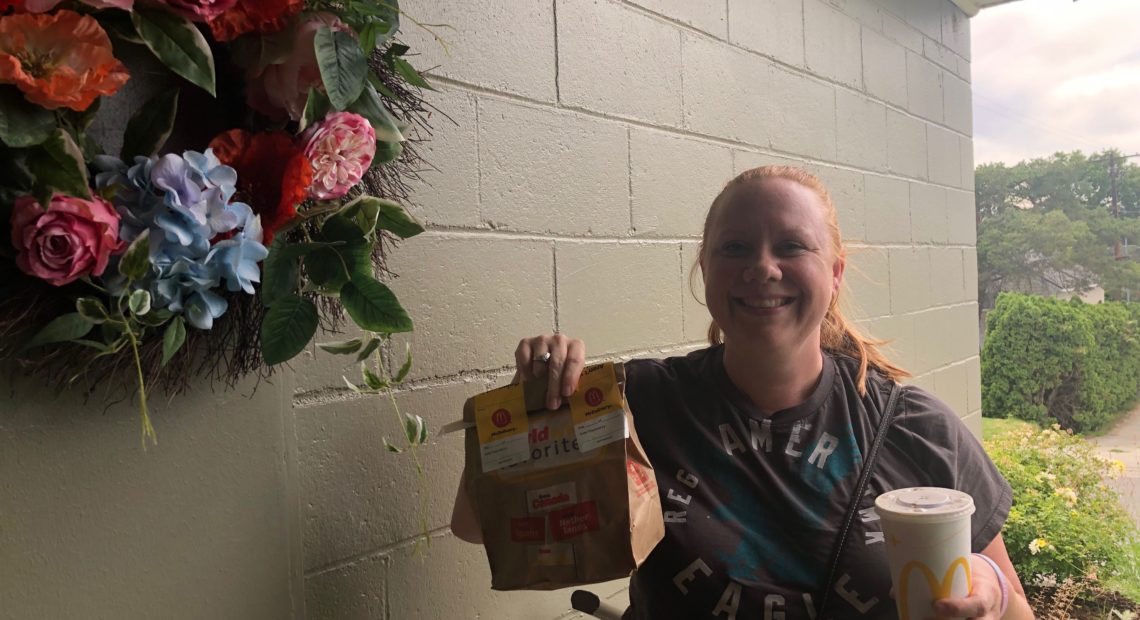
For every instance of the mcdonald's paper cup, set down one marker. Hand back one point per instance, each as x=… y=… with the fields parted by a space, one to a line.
x=927 y=532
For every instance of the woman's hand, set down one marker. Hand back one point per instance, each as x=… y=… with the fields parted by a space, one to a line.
x=984 y=600
x=561 y=368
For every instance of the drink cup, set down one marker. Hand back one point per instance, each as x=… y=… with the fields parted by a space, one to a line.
x=927 y=533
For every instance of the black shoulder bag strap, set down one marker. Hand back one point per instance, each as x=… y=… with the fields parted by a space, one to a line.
x=860 y=488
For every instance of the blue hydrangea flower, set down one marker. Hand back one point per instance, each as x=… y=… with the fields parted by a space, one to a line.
x=199 y=240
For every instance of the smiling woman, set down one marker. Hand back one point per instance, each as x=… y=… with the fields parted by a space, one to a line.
x=759 y=441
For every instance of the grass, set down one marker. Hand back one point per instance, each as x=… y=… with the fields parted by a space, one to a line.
x=996 y=427
x=1128 y=583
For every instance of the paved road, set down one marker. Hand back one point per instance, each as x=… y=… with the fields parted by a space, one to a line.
x=1123 y=443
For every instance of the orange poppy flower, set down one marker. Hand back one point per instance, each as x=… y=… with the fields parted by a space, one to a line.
x=261 y=16
x=58 y=60
x=273 y=174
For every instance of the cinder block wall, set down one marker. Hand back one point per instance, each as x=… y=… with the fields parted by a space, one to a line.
x=589 y=138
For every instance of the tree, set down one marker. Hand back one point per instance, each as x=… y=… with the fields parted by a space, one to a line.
x=1055 y=220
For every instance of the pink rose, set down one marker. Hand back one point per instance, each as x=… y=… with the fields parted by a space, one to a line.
x=199 y=10
x=282 y=87
x=340 y=149
x=72 y=238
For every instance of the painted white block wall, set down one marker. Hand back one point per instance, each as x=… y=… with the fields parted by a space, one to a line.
x=573 y=184
x=589 y=202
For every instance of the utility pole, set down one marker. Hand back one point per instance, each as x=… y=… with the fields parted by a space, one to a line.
x=1112 y=180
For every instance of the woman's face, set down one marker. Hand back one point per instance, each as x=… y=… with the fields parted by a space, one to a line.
x=769 y=267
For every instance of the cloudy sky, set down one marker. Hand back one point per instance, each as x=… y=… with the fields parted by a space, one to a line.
x=1055 y=75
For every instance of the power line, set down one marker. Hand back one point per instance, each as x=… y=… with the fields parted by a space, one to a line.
x=1021 y=117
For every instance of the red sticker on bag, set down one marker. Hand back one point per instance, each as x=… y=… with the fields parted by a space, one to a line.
x=577 y=519
x=528 y=530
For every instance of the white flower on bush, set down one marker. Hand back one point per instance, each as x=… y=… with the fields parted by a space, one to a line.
x=1069 y=495
x=1038 y=545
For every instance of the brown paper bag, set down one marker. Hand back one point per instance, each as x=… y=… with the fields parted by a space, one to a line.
x=564 y=497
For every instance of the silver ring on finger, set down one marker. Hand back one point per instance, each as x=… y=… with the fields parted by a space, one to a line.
x=544 y=358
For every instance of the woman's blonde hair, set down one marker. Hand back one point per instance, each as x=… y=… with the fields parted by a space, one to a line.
x=837 y=334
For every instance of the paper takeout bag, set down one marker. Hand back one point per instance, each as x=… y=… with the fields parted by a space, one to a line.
x=564 y=497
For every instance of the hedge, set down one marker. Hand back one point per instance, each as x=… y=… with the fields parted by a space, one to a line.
x=1048 y=360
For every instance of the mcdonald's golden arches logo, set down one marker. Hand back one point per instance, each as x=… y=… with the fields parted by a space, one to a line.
x=938 y=589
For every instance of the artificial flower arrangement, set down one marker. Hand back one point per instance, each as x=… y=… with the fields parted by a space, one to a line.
x=214 y=261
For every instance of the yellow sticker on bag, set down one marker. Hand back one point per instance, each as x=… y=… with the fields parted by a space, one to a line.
x=501 y=423
x=596 y=408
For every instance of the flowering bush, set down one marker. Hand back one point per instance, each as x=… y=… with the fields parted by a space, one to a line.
x=131 y=256
x=1065 y=522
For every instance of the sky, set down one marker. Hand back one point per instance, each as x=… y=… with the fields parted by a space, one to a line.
x=1055 y=75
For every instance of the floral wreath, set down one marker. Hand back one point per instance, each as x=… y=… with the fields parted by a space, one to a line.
x=220 y=260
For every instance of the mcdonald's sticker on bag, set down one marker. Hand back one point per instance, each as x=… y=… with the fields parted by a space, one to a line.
x=500 y=420
x=596 y=408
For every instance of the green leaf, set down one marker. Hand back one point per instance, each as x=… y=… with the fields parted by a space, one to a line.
x=372 y=380
x=177 y=43
x=342 y=65
x=383 y=26
x=407 y=367
x=389 y=447
x=330 y=268
x=396 y=220
x=149 y=128
x=57 y=164
x=72 y=326
x=23 y=123
x=326 y=269
x=135 y=262
x=118 y=25
x=92 y=310
x=156 y=317
x=340 y=227
x=83 y=120
x=173 y=338
x=415 y=429
x=352 y=386
x=343 y=347
x=368 y=349
x=397 y=49
x=317 y=106
x=279 y=271
x=387 y=152
x=92 y=344
x=373 y=306
x=364 y=212
x=383 y=123
x=405 y=69
x=89 y=147
x=288 y=327
x=139 y=302
x=382 y=88
x=112 y=331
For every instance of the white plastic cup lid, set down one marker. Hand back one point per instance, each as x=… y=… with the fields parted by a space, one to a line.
x=927 y=504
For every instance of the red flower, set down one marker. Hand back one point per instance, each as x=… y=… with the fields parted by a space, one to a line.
x=58 y=60
x=262 y=16
x=273 y=174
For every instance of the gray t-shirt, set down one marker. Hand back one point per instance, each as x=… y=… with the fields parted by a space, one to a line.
x=753 y=503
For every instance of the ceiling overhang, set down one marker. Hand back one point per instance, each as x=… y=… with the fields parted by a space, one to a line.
x=971 y=7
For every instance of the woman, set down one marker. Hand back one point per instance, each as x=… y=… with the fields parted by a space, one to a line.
x=757 y=441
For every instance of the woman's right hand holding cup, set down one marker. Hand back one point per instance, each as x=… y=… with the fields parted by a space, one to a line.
x=555 y=357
